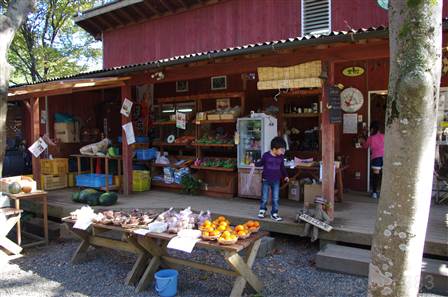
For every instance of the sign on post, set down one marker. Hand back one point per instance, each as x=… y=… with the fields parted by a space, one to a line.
x=334 y=102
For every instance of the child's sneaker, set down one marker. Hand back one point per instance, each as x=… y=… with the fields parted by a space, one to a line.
x=275 y=217
x=375 y=195
x=261 y=213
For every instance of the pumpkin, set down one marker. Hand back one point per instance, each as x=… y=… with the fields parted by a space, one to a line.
x=14 y=188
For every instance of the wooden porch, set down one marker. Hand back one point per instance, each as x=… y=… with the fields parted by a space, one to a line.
x=354 y=218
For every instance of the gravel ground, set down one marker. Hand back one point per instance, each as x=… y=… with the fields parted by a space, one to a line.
x=289 y=271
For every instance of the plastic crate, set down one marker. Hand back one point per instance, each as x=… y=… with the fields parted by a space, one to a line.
x=141 y=185
x=138 y=139
x=54 y=167
x=146 y=154
x=50 y=182
x=92 y=180
x=141 y=175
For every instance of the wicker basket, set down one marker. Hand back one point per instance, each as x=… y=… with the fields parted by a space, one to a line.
x=227 y=242
x=209 y=238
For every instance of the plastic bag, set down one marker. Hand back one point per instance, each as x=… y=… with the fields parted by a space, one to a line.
x=203 y=217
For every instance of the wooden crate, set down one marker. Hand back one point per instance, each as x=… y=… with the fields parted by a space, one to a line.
x=50 y=182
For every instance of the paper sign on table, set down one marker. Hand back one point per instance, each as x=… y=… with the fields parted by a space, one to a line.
x=184 y=244
x=38 y=147
x=82 y=224
x=181 y=120
x=129 y=131
x=141 y=231
x=126 y=107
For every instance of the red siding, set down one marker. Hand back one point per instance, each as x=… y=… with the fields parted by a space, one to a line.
x=226 y=24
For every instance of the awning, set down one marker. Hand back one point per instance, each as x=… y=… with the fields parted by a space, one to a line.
x=66 y=86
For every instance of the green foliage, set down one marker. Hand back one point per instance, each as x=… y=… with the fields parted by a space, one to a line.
x=190 y=184
x=51 y=45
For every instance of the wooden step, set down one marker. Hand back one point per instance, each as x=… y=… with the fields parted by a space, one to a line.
x=356 y=261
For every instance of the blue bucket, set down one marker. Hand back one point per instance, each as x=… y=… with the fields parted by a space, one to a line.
x=166 y=282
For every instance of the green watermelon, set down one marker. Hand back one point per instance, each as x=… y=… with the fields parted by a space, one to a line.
x=75 y=197
x=84 y=193
x=93 y=198
x=14 y=188
x=108 y=198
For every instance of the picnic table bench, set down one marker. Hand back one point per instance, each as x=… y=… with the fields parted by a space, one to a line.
x=153 y=254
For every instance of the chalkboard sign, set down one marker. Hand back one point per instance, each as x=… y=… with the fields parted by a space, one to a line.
x=334 y=101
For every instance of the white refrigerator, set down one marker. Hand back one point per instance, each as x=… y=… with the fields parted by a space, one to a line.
x=255 y=135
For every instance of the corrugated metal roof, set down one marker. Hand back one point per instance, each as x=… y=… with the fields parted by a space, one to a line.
x=335 y=36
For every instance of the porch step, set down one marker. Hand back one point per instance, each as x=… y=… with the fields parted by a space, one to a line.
x=356 y=261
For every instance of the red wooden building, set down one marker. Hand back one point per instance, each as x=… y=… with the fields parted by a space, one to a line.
x=194 y=40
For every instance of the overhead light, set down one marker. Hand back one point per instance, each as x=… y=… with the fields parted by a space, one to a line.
x=168 y=110
x=185 y=110
x=158 y=75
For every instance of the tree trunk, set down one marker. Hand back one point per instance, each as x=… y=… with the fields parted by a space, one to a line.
x=415 y=65
x=9 y=23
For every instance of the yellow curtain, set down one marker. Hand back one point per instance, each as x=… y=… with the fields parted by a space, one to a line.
x=305 y=75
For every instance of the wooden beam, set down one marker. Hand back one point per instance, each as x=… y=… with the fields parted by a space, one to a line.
x=116 y=19
x=139 y=12
x=35 y=134
x=106 y=9
x=127 y=16
x=105 y=21
x=95 y=25
x=126 y=92
x=182 y=3
x=327 y=130
x=152 y=8
x=167 y=7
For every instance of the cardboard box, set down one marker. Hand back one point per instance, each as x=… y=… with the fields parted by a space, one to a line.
x=294 y=190
x=310 y=192
x=6 y=181
x=67 y=132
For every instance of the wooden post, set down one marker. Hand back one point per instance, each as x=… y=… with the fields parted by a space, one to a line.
x=35 y=134
x=327 y=130
x=126 y=149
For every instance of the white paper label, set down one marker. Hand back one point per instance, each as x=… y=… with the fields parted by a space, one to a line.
x=38 y=147
x=350 y=123
x=181 y=120
x=141 y=231
x=82 y=224
x=126 y=107
x=129 y=131
x=184 y=244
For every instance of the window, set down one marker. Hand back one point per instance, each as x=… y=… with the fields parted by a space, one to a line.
x=316 y=16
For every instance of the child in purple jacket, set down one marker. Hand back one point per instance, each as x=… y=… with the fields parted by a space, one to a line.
x=273 y=172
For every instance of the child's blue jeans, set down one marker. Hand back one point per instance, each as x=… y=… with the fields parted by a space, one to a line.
x=275 y=188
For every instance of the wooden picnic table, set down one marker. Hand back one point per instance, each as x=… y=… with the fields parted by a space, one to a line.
x=153 y=254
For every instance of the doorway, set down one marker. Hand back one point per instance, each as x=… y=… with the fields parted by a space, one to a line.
x=377 y=112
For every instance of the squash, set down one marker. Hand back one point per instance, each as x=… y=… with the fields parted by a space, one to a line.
x=14 y=188
x=75 y=197
x=93 y=198
x=84 y=193
x=108 y=199
x=26 y=189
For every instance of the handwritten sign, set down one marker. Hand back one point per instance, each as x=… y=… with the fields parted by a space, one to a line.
x=334 y=101
x=315 y=222
x=126 y=107
x=181 y=120
x=129 y=131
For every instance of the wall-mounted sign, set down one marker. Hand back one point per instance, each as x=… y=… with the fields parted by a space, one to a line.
x=384 y=4
x=334 y=105
x=353 y=71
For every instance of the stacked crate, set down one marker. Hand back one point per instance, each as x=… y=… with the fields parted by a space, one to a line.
x=141 y=180
x=54 y=173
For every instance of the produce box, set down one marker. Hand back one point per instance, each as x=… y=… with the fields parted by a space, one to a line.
x=71 y=179
x=117 y=180
x=50 y=182
x=92 y=180
x=144 y=175
x=22 y=180
x=294 y=190
x=213 y=117
x=141 y=185
x=227 y=116
x=67 y=132
x=310 y=192
x=58 y=166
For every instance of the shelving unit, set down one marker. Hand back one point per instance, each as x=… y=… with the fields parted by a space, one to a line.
x=303 y=146
x=218 y=181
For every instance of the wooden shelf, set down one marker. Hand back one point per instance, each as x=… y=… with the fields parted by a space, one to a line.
x=215 y=145
x=171 y=144
x=164 y=185
x=167 y=123
x=303 y=92
x=204 y=122
x=213 y=168
x=301 y=115
x=170 y=165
